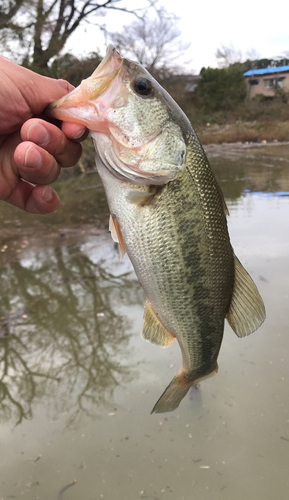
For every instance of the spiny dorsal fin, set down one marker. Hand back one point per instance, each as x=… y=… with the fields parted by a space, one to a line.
x=247 y=310
x=153 y=330
x=116 y=235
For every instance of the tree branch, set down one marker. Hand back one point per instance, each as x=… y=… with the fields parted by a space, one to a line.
x=5 y=18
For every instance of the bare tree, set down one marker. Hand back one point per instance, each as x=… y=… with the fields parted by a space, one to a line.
x=228 y=55
x=8 y=10
x=252 y=54
x=153 y=39
x=66 y=336
x=10 y=30
x=43 y=26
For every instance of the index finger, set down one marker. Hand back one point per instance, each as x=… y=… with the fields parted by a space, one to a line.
x=74 y=131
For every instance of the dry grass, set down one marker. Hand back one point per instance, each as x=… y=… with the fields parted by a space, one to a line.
x=245 y=132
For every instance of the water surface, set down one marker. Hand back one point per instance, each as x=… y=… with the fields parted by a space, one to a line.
x=77 y=383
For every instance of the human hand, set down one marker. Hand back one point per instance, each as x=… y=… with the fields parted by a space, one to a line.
x=32 y=150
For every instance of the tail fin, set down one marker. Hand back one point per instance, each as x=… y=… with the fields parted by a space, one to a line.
x=177 y=389
x=173 y=395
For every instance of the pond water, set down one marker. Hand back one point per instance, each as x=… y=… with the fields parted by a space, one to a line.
x=77 y=382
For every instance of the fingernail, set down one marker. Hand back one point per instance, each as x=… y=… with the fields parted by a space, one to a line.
x=79 y=134
x=38 y=133
x=33 y=158
x=47 y=193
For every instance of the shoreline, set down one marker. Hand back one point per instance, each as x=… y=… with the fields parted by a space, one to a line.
x=245 y=132
x=244 y=145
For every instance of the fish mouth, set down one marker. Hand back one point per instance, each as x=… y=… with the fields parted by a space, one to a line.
x=80 y=106
x=89 y=105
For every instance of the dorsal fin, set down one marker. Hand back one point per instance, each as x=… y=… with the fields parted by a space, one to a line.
x=247 y=310
x=153 y=330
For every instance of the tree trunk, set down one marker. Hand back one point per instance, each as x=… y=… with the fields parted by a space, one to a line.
x=38 y=61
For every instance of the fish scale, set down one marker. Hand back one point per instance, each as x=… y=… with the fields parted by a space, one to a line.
x=168 y=213
x=181 y=279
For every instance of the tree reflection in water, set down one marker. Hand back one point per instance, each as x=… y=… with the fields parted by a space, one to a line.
x=61 y=332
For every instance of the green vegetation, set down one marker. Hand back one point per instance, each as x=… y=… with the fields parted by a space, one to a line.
x=263 y=63
x=220 y=110
x=223 y=88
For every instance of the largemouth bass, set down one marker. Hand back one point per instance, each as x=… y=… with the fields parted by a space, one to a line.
x=168 y=213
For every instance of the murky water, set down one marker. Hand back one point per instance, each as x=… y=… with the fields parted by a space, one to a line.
x=77 y=383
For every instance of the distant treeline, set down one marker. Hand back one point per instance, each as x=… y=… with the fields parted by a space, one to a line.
x=263 y=63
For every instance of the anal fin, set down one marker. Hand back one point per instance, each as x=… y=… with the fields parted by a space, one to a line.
x=116 y=234
x=247 y=310
x=153 y=330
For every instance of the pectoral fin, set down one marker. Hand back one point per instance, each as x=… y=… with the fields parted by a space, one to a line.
x=116 y=235
x=140 y=197
x=153 y=330
x=247 y=310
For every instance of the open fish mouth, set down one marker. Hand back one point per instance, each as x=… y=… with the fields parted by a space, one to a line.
x=83 y=104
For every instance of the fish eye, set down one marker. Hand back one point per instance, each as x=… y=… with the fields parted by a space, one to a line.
x=142 y=86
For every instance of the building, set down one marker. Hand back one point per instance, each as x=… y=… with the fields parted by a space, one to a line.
x=191 y=82
x=264 y=81
x=187 y=82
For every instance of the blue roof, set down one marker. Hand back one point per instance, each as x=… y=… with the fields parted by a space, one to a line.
x=266 y=70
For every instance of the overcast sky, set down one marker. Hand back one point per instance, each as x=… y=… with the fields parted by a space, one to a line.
x=258 y=25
